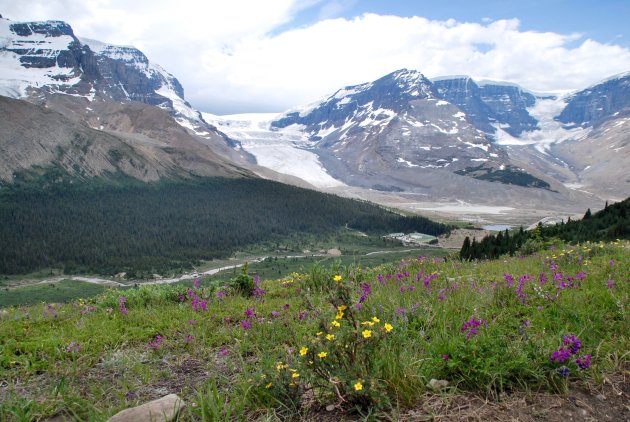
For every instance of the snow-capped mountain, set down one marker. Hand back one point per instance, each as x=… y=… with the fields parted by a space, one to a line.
x=490 y=105
x=107 y=88
x=43 y=58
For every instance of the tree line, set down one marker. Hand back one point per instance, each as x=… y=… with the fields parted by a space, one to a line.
x=100 y=228
x=613 y=222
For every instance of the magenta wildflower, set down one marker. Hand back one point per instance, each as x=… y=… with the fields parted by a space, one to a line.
x=256 y=280
x=445 y=357
x=258 y=293
x=221 y=295
x=542 y=279
x=189 y=338
x=302 y=315
x=197 y=282
x=275 y=314
x=286 y=307
x=509 y=280
x=580 y=276
x=157 y=343
x=612 y=263
x=122 y=300
x=471 y=327
x=246 y=324
x=224 y=351
x=249 y=313
x=381 y=279
x=401 y=311
x=584 y=362
x=358 y=306
x=561 y=355
x=572 y=342
x=191 y=322
x=610 y=283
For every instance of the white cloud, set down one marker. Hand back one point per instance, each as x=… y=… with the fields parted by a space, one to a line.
x=234 y=56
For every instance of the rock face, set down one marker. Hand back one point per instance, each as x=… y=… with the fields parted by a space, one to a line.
x=489 y=104
x=161 y=410
x=599 y=103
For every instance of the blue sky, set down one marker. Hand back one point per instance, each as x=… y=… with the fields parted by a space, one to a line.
x=605 y=20
x=235 y=56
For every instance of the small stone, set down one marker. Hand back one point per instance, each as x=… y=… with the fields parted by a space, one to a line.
x=330 y=407
x=437 y=385
x=600 y=397
x=160 y=410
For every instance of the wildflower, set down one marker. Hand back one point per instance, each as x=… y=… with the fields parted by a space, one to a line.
x=563 y=371
x=342 y=308
x=612 y=263
x=445 y=357
x=191 y=322
x=509 y=280
x=221 y=295
x=358 y=386
x=258 y=293
x=366 y=290
x=584 y=362
x=249 y=313
x=286 y=306
x=358 y=306
x=610 y=283
x=366 y=333
x=302 y=315
x=197 y=282
x=319 y=333
x=322 y=355
x=336 y=324
x=295 y=375
x=470 y=327
x=73 y=347
x=303 y=351
x=388 y=327
x=189 y=338
x=337 y=277
x=572 y=342
x=268 y=386
x=157 y=343
x=122 y=300
x=224 y=351
x=246 y=324
x=561 y=355
x=376 y=320
x=330 y=337
x=339 y=315
x=275 y=314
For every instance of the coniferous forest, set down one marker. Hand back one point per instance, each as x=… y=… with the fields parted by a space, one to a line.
x=613 y=222
x=154 y=227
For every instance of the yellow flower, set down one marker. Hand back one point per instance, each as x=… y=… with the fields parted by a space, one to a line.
x=268 y=385
x=376 y=319
x=366 y=333
x=358 y=386
x=319 y=334
x=388 y=327
x=322 y=355
x=295 y=375
x=339 y=315
x=370 y=323
x=336 y=324
x=303 y=351
x=342 y=308
x=280 y=366
x=330 y=337
x=337 y=277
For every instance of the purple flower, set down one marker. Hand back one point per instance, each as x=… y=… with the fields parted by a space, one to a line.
x=302 y=315
x=249 y=313
x=563 y=371
x=73 y=347
x=572 y=342
x=286 y=306
x=610 y=283
x=445 y=357
x=221 y=295
x=366 y=289
x=509 y=280
x=189 y=338
x=471 y=326
x=561 y=355
x=584 y=362
x=612 y=263
x=224 y=351
x=526 y=323
x=358 y=306
x=197 y=282
x=258 y=292
x=400 y=311
x=381 y=279
x=122 y=300
x=275 y=314
x=246 y=324
x=256 y=280
x=542 y=279
x=191 y=322
x=157 y=343
x=580 y=276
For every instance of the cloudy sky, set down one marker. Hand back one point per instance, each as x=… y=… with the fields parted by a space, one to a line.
x=235 y=56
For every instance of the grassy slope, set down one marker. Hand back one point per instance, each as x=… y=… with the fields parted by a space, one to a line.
x=225 y=370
